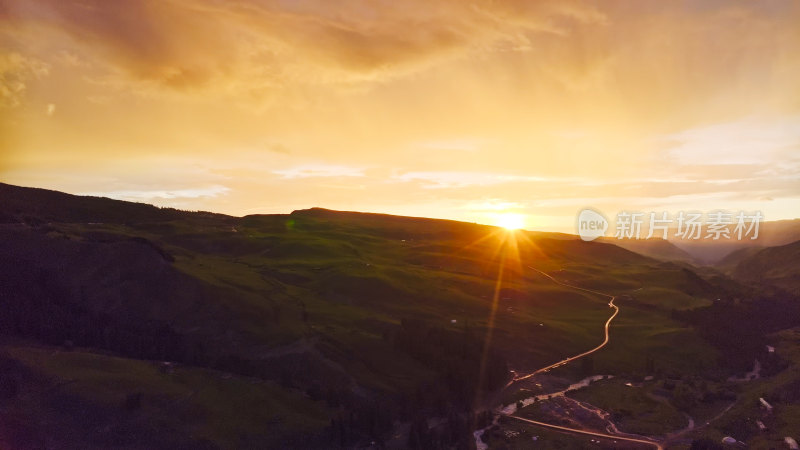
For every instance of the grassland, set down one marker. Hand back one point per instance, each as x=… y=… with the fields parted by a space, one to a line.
x=633 y=410
x=187 y=405
x=318 y=300
x=518 y=435
x=781 y=390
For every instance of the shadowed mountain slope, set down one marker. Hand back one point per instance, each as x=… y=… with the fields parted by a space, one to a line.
x=365 y=319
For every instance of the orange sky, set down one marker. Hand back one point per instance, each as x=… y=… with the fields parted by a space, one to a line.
x=451 y=108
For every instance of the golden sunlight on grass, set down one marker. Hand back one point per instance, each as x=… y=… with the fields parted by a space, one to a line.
x=510 y=221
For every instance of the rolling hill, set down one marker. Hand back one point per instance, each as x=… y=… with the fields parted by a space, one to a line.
x=776 y=266
x=339 y=325
x=655 y=248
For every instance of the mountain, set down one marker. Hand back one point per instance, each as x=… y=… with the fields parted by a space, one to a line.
x=655 y=248
x=128 y=325
x=29 y=205
x=775 y=266
x=730 y=261
x=709 y=251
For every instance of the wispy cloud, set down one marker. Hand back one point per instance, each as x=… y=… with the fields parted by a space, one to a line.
x=442 y=180
x=140 y=195
x=750 y=141
x=15 y=71
x=187 y=43
x=320 y=171
x=459 y=144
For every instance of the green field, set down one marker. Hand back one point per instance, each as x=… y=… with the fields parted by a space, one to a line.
x=378 y=318
x=208 y=408
x=632 y=409
x=781 y=391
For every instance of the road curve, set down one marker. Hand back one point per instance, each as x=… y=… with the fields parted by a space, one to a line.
x=589 y=352
x=611 y=304
x=590 y=433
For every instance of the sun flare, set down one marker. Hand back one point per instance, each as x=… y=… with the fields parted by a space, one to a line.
x=510 y=221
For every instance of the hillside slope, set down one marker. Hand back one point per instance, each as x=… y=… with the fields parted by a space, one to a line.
x=655 y=248
x=775 y=266
x=375 y=319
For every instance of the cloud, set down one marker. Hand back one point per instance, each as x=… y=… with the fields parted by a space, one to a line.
x=442 y=180
x=191 y=44
x=749 y=141
x=458 y=144
x=152 y=195
x=15 y=71
x=320 y=171
x=51 y=109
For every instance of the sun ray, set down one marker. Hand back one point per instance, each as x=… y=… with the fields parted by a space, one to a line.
x=487 y=342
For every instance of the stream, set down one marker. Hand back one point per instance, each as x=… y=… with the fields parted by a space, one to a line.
x=512 y=408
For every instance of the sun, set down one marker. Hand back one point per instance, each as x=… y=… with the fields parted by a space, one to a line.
x=510 y=221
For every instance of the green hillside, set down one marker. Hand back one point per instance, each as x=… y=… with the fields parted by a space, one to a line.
x=367 y=320
x=771 y=266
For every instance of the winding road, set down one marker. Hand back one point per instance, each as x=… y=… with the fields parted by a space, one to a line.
x=588 y=433
x=518 y=378
x=586 y=353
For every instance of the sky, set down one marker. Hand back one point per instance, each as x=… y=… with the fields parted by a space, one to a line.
x=460 y=109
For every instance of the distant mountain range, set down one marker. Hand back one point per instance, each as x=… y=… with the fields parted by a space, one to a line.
x=660 y=249
x=707 y=251
x=771 y=234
